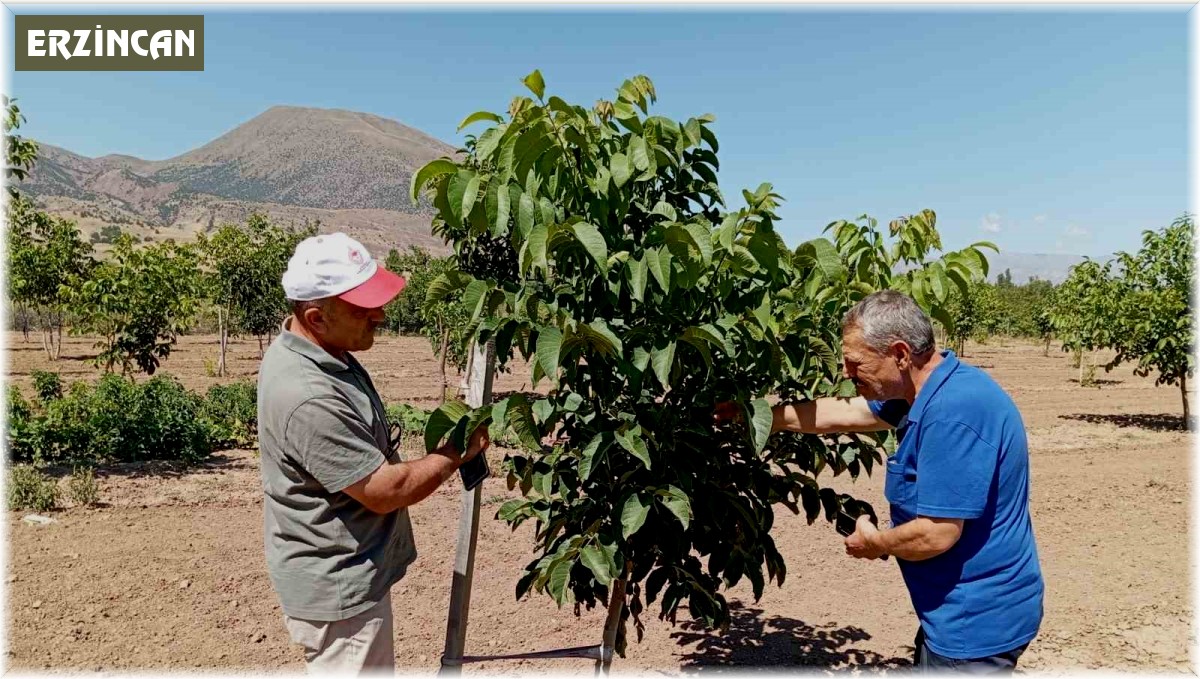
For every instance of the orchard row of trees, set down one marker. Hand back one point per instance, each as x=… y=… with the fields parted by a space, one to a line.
x=1138 y=305
x=140 y=298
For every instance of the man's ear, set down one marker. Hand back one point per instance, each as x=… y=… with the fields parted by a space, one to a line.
x=903 y=355
x=315 y=318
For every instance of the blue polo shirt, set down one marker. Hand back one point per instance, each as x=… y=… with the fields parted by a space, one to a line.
x=963 y=455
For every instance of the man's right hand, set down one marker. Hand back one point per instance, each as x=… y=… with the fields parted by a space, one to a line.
x=480 y=441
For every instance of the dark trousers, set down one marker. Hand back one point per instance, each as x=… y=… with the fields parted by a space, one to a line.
x=926 y=661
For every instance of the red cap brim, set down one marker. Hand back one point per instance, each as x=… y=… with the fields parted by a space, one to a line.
x=377 y=291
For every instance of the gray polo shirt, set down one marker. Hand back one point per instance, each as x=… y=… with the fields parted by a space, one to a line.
x=322 y=427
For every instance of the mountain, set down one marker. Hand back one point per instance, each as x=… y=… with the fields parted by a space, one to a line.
x=349 y=170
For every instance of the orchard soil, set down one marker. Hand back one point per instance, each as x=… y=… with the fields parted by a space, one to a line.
x=168 y=571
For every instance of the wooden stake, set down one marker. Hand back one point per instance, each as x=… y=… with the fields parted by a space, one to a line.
x=479 y=392
x=616 y=603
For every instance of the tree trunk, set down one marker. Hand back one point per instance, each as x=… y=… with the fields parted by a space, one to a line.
x=445 y=382
x=224 y=342
x=1183 y=393
x=58 y=326
x=260 y=347
x=24 y=311
x=48 y=342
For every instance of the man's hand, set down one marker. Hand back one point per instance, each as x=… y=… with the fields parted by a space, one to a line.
x=479 y=442
x=727 y=411
x=862 y=543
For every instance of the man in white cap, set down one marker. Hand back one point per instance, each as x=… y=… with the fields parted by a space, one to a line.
x=336 y=527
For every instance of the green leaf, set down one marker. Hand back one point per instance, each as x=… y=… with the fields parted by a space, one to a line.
x=597 y=563
x=633 y=515
x=475 y=419
x=473 y=296
x=520 y=420
x=641 y=359
x=638 y=270
x=676 y=501
x=526 y=210
x=535 y=83
x=639 y=152
x=760 y=423
x=549 y=348
x=602 y=338
x=659 y=262
x=937 y=281
x=635 y=445
x=433 y=168
x=701 y=236
x=729 y=228
x=478 y=116
x=442 y=421
x=462 y=191
x=662 y=360
x=538 y=237
x=560 y=573
x=588 y=458
x=692 y=130
x=622 y=169
x=591 y=239
x=825 y=257
x=503 y=208
x=665 y=209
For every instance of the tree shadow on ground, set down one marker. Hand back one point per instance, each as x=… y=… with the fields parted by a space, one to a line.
x=1152 y=422
x=1097 y=382
x=219 y=461
x=755 y=642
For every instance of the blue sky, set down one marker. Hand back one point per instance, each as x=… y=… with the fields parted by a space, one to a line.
x=1041 y=131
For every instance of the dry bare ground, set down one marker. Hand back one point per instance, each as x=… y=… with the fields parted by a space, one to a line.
x=168 y=572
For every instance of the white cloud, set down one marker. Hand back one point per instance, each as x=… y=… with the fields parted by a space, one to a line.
x=1039 y=219
x=1073 y=230
x=990 y=223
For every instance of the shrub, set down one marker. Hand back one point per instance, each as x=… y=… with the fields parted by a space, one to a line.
x=20 y=423
x=29 y=488
x=82 y=487
x=114 y=421
x=233 y=411
x=48 y=385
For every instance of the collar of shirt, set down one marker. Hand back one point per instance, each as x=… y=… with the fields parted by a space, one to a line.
x=936 y=379
x=312 y=352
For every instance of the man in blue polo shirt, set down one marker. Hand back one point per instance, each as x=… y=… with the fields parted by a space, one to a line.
x=958 y=485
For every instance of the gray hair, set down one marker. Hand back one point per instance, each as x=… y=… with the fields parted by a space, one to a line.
x=888 y=316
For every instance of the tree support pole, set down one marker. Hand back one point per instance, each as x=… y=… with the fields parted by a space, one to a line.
x=479 y=392
x=616 y=604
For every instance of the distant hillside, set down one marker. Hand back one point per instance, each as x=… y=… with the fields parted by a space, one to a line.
x=349 y=170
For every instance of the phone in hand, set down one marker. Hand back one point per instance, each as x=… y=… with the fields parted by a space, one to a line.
x=474 y=471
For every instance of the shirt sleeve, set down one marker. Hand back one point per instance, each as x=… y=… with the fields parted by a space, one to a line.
x=890 y=411
x=955 y=469
x=331 y=442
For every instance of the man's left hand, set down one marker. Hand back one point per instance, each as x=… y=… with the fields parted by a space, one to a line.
x=862 y=543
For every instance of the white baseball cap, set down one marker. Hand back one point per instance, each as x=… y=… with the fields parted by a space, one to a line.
x=336 y=265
